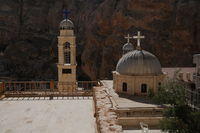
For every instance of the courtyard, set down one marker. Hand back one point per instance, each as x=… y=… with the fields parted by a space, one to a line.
x=41 y=115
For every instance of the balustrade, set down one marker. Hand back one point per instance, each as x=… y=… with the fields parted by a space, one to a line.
x=84 y=88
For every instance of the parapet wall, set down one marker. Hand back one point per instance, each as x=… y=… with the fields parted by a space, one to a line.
x=106 y=118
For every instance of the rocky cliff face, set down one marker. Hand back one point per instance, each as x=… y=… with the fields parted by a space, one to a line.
x=28 y=31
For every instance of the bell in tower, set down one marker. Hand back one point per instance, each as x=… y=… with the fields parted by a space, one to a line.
x=66 y=56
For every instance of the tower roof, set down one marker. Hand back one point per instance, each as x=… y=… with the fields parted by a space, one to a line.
x=139 y=62
x=66 y=24
x=128 y=47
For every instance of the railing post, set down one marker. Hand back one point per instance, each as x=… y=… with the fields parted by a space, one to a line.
x=51 y=85
x=1 y=87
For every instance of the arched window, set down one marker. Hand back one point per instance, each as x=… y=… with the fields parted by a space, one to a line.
x=144 y=88
x=67 y=52
x=124 y=87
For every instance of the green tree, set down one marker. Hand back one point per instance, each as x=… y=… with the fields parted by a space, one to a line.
x=171 y=92
x=179 y=117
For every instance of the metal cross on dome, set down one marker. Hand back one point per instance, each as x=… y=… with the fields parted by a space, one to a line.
x=66 y=13
x=138 y=37
x=128 y=37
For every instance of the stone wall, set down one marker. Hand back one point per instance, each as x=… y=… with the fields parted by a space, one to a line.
x=106 y=118
x=29 y=28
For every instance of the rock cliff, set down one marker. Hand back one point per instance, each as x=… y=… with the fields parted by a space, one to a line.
x=29 y=29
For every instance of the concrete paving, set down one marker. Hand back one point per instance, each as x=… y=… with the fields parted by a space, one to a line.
x=127 y=103
x=40 y=115
x=140 y=131
x=131 y=102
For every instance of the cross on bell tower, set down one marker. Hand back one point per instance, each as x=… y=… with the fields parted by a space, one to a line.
x=138 y=37
x=128 y=37
x=66 y=13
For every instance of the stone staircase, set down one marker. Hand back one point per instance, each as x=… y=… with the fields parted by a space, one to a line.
x=131 y=117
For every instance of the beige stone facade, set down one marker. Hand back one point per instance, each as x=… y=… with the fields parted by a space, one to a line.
x=133 y=84
x=67 y=60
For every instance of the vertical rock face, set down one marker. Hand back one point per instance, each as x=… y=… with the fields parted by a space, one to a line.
x=29 y=28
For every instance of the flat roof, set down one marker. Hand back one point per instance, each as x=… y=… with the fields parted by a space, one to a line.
x=140 y=131
x=131 y=102
x=40 y=115
x=134 y=103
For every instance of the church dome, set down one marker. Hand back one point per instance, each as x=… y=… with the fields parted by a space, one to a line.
x=66 y=24
x=128 y=47
x=139 y=62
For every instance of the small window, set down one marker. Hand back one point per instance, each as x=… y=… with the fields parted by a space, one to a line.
x=192 y=86
x=144 y=88
x=67 y=71
x=67 y=45
x=159 y=85
x=124 y=87
x=128 y=113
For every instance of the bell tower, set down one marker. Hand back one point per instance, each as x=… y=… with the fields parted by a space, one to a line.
x=66 y=56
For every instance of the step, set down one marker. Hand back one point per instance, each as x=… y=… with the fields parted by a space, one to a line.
x=134 y=122
x=140 y=112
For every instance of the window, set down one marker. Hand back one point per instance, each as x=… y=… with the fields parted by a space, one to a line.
x=192 y=86
x=144 y=88
x=67 y=52
x=128 y=113
x=159 y=85
x=66 y=71
x=124 y=87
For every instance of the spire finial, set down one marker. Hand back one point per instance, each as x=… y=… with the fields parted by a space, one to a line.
x=128 y=37
x=66 y=13
x=138 y=37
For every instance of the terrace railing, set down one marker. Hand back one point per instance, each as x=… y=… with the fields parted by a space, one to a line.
x=45 y=88
x=87 y=85
x=13 y=86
